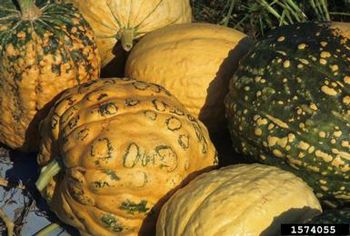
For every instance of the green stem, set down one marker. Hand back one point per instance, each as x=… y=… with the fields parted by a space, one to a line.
x=288 y=9
x=229 y=14
x=289 y=17
x=339 y=13
x=240 y=22
x=47 y=172
x=282 y=17
x=313 y=5
x=28 y=9
x=127 y=37
x=318 y=5
x=298 y=12
x=324 y=4
x=270 y=9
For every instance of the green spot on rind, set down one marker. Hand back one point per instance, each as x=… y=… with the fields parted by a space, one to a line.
x=111 y=222
x=133 y=208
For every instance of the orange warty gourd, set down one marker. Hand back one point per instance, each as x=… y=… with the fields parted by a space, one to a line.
x=120 y=148
x=195 y=62
x=243 y=199
x=124 y=21
x=44 y=49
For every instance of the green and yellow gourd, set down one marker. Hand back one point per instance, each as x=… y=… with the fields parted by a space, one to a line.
x=243 y=199
x=44 y=49
x=120 y=148
x=125 y=21
x=332 y=216
x=289 y=105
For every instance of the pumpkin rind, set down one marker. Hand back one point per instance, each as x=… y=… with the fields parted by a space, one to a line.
x=40 y=58
x=195 y=62
x=332 y=216
x=124 y=145
x=112 y=18
x=243 y=199
x=288 y=106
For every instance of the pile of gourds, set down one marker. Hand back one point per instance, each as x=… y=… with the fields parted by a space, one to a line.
x=134 y=154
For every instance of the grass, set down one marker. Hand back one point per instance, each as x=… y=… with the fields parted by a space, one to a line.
x=256 y=17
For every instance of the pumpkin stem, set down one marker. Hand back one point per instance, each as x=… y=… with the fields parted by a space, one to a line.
x=127 y=37
x=29 y=10
x=47 y=172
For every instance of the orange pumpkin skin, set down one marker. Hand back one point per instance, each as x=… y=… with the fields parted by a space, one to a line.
x=39 y=60
x=123 y=21
x=125 y=146
x=195 y=62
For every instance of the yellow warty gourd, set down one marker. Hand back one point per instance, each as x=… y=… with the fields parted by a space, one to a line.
x=44 y=49
x=119 y=147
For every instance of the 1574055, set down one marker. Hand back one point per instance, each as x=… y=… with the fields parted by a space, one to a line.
x=314 y=229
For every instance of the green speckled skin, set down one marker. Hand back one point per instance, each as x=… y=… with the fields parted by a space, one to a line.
x=332 y=216
x=41 y=54
x=289 y=105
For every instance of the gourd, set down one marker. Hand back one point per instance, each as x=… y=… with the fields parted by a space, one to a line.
x=44 y=49
x=242 y=199
x=195 y=62
x=125 y=21
x=288 y=105
x=113 y=150
x=332 y=216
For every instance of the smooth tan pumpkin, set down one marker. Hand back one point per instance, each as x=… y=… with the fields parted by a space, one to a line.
x=194 y=62
x=244 y=199
x=126 y=20
x=120 y=147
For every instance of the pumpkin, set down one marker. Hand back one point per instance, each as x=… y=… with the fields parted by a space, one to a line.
x=44 y=49
x=120 y=147
x=289 y=105
x=125 y=21
x=332 y=216
x=195 y=62
x=243 y=199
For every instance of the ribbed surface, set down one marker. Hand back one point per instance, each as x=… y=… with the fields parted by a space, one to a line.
x=238 y=200
x=194 y=62
x=125 y=144
x=108 y=17
x=39 y=59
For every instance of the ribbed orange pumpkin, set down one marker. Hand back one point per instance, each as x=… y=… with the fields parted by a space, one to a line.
x=195 y=62
x=121 y=20
x=44 y=49
x=121 y=146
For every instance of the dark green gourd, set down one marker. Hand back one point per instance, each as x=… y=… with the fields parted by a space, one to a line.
x=289 y=105
x=332 y=216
